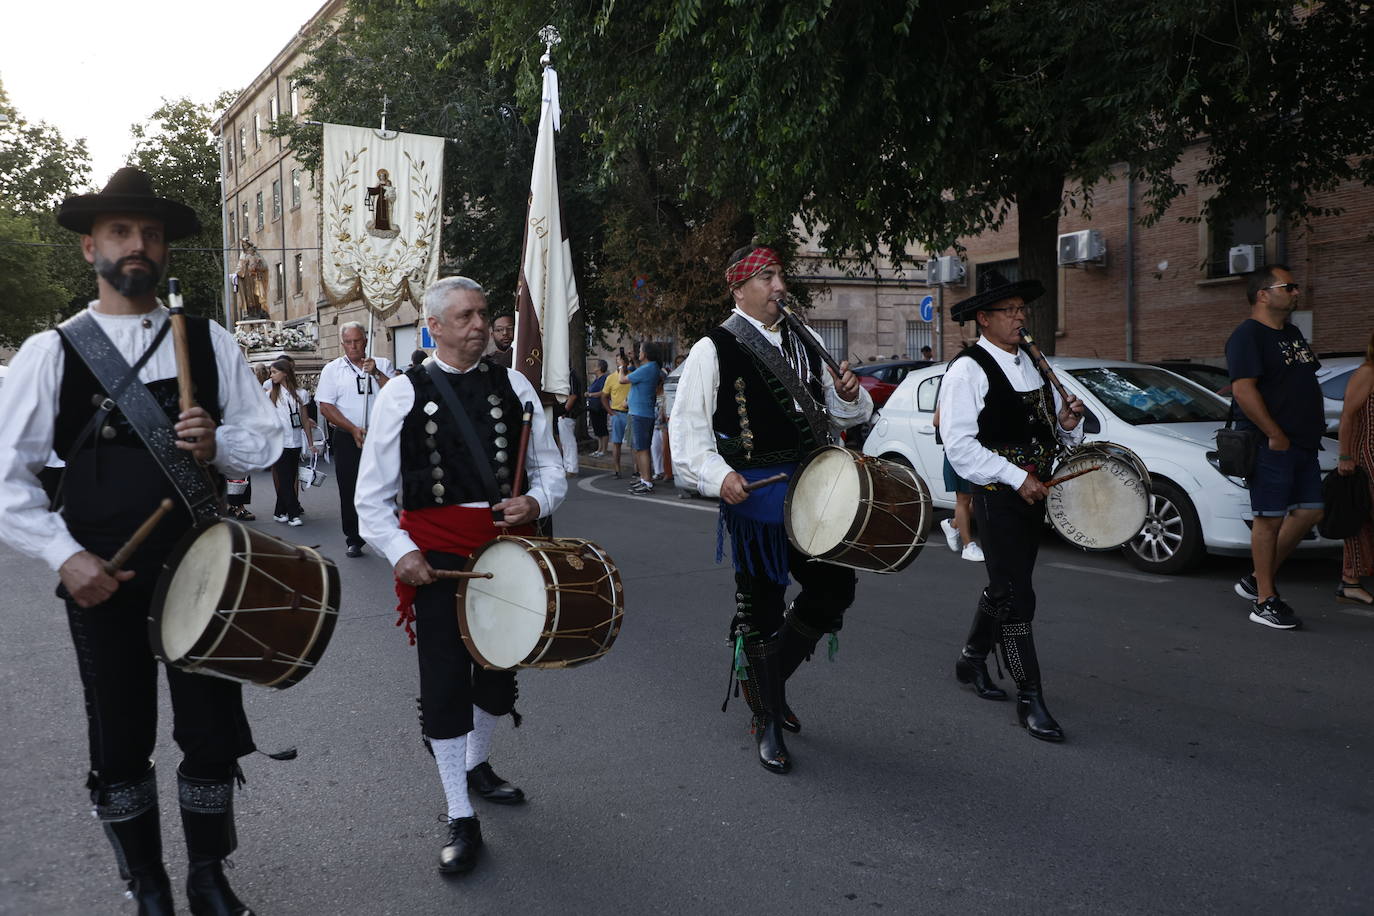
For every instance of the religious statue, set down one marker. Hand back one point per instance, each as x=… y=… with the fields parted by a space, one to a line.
x=379 y=200
x=250 y=283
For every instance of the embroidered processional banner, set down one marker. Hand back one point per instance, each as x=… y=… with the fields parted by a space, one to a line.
x=382 y=196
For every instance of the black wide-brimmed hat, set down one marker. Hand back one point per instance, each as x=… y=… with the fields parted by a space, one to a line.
x=129 y=191
x=999 y=288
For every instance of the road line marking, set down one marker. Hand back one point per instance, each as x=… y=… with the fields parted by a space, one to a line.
x=1137 y=577
x=585 y=484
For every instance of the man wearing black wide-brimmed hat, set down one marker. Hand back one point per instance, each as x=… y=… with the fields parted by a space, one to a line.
x=120 y=464
x=1000 y=421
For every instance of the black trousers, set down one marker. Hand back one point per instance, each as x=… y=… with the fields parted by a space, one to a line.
x=119 y=680
x=284 y=479
x=1009 y=530
x=826 y=593
x=451 y=683
x=347 y=455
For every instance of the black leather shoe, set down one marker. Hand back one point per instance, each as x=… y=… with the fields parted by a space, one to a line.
x=484 y=781
x=459 y=855
x=1035 y=718
x=773 y=754
x=790 y=722
x=152 y=890
x=209 y=893
x=354 y=550
x=975 y=671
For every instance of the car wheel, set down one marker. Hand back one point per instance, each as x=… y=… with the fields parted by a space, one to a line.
x=1171 y=540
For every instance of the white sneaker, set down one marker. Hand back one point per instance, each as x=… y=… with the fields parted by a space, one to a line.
x=279 y=518
x=951 y=534
x=972 y=552
x=295 y=521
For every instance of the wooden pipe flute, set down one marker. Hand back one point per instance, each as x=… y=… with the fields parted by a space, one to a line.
x=460 y=574
x=758 y=484
x=1038 y=360
x=115 y=563
x=526 y=419
x=176 y=314
x=808 y=340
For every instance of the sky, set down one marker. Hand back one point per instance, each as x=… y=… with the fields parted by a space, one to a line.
x=91 y=69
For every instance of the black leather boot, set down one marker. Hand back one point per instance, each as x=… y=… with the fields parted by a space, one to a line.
x=128 y=812
x=1018 y=651
x=796 y=643
x=763 y=692
x=972 y=666
x=207 y=819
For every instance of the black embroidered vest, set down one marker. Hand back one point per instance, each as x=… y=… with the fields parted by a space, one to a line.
x=436 y=468
x=1015 y=424
x=112 y=483
x=757 y=417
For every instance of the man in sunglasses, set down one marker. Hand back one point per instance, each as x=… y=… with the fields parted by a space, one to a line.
x=1274 y=380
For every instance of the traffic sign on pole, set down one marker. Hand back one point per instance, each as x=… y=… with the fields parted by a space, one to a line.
x=928 y=308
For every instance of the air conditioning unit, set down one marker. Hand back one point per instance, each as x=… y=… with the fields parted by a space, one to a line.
x=1083 y=248
x=1246 y=258
x=945 y=270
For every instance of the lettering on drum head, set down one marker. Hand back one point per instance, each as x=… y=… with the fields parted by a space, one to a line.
x=1100 y=510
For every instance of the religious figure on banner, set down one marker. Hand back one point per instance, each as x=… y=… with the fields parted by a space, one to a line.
x=250 y=283
x=379 y=200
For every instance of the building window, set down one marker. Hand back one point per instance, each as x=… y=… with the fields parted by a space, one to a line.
x=281 y=282
x=295 y=99
x=274 y=109
x=244 y=233
x=835 y=336
x=259 y=211
x=1010 y=270
x=229 y=154
x=919 y=334
x=1252 y=229
x=276 y=200
x=300 y=274
x=257 y=129
x=243 y=143
x=295 y=188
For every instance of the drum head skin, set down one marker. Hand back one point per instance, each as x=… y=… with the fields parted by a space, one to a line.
x=821 y=506
x=1103 y=509
x=507 y=613
x=193 y=591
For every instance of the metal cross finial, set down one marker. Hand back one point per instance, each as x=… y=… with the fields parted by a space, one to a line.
x=386 y=101
x=551 y=39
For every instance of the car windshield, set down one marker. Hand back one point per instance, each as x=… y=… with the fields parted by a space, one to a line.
x=1142 y=395
x=1334 y=387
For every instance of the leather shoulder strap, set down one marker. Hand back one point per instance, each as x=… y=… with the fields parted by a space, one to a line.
x=771 y=359
x=469 y=432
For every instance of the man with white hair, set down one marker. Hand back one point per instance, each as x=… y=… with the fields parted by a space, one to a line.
x=347 y=393
x=437 y=482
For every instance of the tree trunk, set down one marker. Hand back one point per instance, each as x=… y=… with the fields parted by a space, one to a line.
x=1038 y=203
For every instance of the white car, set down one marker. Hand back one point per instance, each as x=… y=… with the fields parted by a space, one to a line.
x=1167 y=420
x=1333 y=376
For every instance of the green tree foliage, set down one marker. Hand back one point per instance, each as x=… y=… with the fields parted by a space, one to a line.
x=893 y=123
x=178 y=151
x=43 y=277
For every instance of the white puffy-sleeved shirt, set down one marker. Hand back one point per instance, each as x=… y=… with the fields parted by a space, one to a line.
x=962 y=395
x=379 y=474
x=690 y=433
x=348 y=388
x=248 y=437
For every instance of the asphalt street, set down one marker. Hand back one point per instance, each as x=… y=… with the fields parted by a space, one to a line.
x=1212 y=765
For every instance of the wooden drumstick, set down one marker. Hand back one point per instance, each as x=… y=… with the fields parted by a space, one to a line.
x=177 y=316
x=1058 y=480
x=116 y=562
x=460 y=574
x=776 y=478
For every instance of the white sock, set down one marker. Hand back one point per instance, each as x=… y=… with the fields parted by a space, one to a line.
x=450 y=754
x=479 y=739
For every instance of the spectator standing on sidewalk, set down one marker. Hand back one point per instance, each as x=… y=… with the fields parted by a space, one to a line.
x=643 y=387
x=1357 y=450
x=596 y=409
x=1274 y=381
x=616 y=396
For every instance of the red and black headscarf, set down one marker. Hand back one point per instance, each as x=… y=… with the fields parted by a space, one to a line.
x=750 y=264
